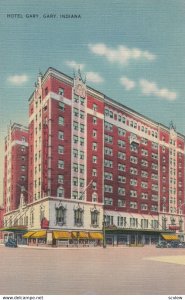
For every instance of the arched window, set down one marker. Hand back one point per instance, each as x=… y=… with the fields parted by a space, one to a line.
x=78 y=216
x=60 y=215
x=94 y=217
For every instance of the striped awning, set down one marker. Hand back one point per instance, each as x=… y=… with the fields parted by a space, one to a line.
x=60 y=235
x=75 y=234
x=83 y=235
x=28 y=234
x=170 y=237
x=41 y=234
x=96 y=235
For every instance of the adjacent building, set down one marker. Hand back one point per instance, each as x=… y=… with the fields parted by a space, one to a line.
x=89 y=156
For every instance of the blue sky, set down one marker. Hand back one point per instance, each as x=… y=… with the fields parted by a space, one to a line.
x=131 y=50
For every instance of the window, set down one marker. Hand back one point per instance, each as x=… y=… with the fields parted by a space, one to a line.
x=75 y=125
x=108 y=163
x=94 y=159
x=60 y=215
x=144 y=152
x=60 y=135
x=82 y=115
x=108 y=188
x=94 y=146
x=133 y=171
x=133 y=182
x=109 y=220
x=75 y=181
x=121 y=155
x=78 y=217
x=61 y=106
x=82 y=101
x=81 y=141
x=82 y=182
x=121 y=167
x=108 y=201
x=121 y=191
x=108 y=126
x=133 y=159
x=144 y=185
x=154 y=187
x=60 y=164
x=94 y=133
x=76 y=112
x=60 y=120
x=121 y=179
x=108 y=176
x=108 y=151
x=94 y=172
x=108 y=139
x=82 y=169
x=60 y=192
x=82 y=128
x=121 y=203
x=94 y=197
x=154 y=197
x=75 y=139
x=95 y=107
x=75 y=153
x=23 y=168
x=144 y=196
x=82 y=155
x=144 y=174
x=95 y=217
x=144 y=206
x=134 y=147
x=133 y=222
x=60 y=178
x=94 y=120
x=121 y=143
x=75 y=194
x=133 y=205
x=154 y=155
x=60 y=149
x=144 y=163
x=121 y=132
x=144 y=141
x=61 y=91
x=133 y=193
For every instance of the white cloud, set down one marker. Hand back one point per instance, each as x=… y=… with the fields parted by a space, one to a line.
x=18 y=79
x=127 y=83
x=73 y=64
x=94 y=77
x=151 y=88
x=121 y=54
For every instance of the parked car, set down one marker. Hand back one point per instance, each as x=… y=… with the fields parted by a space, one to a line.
x=11 y=243
x=162 y=244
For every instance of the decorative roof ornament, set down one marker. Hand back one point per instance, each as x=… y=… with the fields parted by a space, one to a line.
x=172 y=126
x=79 y=76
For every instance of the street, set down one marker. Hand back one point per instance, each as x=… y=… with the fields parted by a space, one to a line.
x=112 y=271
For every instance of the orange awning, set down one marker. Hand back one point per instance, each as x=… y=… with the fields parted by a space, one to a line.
x=83 y=235
x=41 y=234
x=96 y=235
x=170 y=237
x=28 y=234
x=60 y=235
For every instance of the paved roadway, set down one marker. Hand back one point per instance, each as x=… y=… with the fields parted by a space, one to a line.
x=112 y=271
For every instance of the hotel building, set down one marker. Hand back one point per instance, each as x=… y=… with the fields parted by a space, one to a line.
x=90 y=156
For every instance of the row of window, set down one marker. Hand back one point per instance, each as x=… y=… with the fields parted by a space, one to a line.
x=122 y=119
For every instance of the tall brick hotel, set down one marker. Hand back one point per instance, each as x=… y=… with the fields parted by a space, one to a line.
x=87 y=163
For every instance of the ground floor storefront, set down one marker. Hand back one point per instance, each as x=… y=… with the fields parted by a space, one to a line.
x=129 y=237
